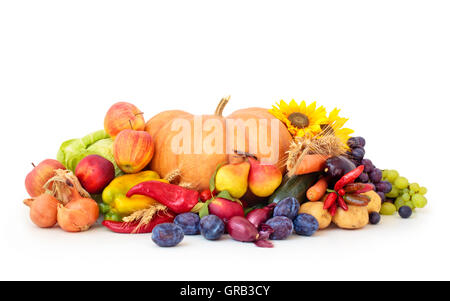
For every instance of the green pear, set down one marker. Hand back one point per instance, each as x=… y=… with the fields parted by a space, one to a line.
x=233 y=178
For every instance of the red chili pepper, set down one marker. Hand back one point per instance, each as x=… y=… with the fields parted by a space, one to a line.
x=353 y=187
x=357 y=199
x=176 y=198
x=349 y=177
x=128 y=228
x=333 y=209
x=330 y=200
x=342 y=203
x=367 y=187
x=341 y=192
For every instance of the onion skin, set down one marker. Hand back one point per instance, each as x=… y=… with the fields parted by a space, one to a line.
x=241 y=229
x=78 y=215
x=43 y=210
x=259 y=216
x=88 y=206
x=72 y=220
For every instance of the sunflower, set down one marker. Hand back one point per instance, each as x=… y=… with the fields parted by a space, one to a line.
x=334 y=125
x=301 y=120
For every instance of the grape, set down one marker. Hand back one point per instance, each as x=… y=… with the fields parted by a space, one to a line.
x=356 y=162
x=392 y=175
x=212 y=227
x=354 y=142
x=405 y=211
x=287 y=207
x=376 y=175
x=399 y=202
x=363 y=178
x=368 y=166
x=384 y=173
x=423 y=190
x=401 y=182
x=414 y=187
x=382 y=196
x=410 y=204
x=388 y=208
x=419 y=200
x=358 y=153
x=384 y=186
x=393 y=193
x=167 y=235
x=405 y=196
x=189 y=222
x=282 y=227
x=374 y=218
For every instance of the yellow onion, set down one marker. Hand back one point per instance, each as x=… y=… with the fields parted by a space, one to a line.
x=43 y=210
x=78 y=215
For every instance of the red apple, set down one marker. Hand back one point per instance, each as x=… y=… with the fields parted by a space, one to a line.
x=121 y=116
x=95 y=173
x=36 y=179
x=133 y=150
x=225 y=209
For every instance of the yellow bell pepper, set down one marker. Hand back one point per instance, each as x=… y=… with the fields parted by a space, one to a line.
x=114 y=195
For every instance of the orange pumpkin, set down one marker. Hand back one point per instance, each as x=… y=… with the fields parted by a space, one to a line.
x=197 y=160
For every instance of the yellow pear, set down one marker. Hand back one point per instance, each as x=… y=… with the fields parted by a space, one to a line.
x=263 y=179
x=233 y=178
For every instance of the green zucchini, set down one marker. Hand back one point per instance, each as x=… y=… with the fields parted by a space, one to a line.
x=295 y=186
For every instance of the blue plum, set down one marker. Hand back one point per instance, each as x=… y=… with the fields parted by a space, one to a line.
x=305 y=224
x=282 y=227
x=189 y=222
x=212 y=227
x=167 y=235
x=288 y=207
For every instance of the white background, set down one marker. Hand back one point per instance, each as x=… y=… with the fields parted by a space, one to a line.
x=385 y=63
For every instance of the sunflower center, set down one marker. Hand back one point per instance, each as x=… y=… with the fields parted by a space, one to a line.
x=299 y=120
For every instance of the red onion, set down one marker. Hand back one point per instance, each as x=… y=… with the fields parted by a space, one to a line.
x=264 y=243
x=242 y=229
x=259 y=216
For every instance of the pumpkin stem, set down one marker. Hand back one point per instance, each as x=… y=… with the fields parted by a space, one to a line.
x=245 y=154
x=221 y=106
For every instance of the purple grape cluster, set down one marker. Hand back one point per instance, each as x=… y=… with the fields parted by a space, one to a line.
x=371 y=173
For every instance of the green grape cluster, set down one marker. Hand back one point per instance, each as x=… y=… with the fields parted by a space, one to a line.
x=402 y=194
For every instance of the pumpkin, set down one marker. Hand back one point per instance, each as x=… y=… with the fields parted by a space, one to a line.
x=197 y=163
